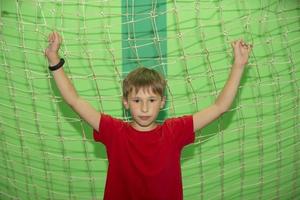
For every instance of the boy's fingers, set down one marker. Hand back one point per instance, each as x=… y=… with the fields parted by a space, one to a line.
x=233 y=44
x=242 y=44
x=50 y=37
x=250 y=47
x=55 y=36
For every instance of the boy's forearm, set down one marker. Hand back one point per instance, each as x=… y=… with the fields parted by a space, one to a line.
x=65 y=86
x=229 y=91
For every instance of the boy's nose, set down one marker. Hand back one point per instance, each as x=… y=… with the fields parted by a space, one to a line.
x=144 y=107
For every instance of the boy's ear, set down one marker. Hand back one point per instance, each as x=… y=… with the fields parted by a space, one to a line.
x=125 y=102
x=163 y=102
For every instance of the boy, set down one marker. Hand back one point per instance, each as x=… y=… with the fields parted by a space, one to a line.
x=144 y=157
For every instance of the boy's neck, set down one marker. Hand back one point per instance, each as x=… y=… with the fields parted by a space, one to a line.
x=135 y=126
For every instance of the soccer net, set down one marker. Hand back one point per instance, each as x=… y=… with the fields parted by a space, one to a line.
x=251 y=152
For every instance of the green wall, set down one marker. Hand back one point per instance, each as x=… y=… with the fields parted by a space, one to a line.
x=251 y=152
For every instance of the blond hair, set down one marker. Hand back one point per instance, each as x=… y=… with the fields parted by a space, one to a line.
x=144 y=78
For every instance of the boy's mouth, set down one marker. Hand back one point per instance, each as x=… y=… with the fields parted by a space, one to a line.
x=144 y=118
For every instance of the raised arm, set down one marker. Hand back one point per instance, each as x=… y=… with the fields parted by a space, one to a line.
x=227 y=95
x=67 y=90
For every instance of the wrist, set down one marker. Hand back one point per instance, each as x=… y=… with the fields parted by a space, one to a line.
x=52 y=56
x=58 y=65
x=53 y=60
x=238 y=65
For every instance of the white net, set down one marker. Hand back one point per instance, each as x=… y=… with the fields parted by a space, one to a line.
x=251 y=152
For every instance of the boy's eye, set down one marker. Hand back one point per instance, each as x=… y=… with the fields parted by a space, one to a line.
x=152 y=100
x=136 y=100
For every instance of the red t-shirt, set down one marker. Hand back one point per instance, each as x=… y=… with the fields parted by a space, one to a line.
x=144 y=165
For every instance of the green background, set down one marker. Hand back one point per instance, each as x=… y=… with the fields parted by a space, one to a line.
x=251 y=152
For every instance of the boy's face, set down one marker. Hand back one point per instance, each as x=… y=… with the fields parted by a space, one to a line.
x=144 y=106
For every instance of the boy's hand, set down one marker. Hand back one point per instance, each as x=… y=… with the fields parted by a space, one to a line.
x=51 y=51
x=241 y=52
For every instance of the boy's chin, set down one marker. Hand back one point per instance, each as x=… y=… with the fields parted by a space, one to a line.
x=144 y=126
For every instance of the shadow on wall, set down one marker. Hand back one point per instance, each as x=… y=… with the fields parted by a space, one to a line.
x=82 y=127
x=213 y=128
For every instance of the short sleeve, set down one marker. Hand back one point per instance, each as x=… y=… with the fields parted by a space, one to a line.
x=108 y=128
x=182 y=129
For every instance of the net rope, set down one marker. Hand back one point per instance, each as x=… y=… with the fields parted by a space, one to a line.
x=251 y=152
